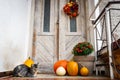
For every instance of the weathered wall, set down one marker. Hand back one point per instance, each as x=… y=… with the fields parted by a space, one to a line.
x=89 y=9
x=14 y=31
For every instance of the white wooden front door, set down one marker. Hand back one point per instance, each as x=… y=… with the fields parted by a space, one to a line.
x=55 y=34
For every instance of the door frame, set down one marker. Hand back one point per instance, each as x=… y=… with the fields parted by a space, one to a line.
x=59 y=37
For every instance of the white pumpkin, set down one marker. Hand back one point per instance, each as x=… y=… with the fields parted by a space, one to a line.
x=60 y=71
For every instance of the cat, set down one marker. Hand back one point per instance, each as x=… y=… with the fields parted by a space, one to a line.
x=24 y=71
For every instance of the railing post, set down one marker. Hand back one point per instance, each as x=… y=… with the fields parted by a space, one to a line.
x=95 y=40
x=107 y=16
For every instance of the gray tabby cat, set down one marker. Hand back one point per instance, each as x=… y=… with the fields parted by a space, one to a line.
x=24 y=71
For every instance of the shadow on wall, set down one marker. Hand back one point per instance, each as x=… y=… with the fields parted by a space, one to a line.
x=12 y=55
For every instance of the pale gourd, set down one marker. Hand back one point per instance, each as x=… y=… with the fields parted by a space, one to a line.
x=60 y=71
x=59 y=63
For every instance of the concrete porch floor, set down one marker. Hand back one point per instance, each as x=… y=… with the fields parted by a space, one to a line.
x=54 y=77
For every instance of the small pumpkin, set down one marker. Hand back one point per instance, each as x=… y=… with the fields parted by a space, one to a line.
x=84 y=71
x=72 y=68
x=59 y=63
x=29 y=62
x=60 y=71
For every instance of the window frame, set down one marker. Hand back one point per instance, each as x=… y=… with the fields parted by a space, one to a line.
x=78 y=23
x=52 y=21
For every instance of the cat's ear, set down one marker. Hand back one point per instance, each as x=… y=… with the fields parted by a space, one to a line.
x=37 y=63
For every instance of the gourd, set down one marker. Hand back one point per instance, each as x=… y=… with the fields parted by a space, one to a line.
x=72 y=68
x=59 y=63
x=29 y=62
x=84 y=71
x=60 y=71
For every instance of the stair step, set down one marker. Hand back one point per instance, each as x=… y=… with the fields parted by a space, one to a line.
x=101 y=65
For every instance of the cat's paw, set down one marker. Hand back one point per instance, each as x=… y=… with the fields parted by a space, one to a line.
x=35 y=75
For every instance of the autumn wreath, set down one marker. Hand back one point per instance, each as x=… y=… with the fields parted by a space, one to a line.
x=82 y=48
x=71 y=9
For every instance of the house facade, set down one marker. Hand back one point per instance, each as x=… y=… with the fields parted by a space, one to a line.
x=41 y=30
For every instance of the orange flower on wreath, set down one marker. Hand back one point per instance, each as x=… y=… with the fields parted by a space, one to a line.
x=71 y=9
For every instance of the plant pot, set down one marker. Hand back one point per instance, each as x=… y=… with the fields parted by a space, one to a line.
x=87 y=61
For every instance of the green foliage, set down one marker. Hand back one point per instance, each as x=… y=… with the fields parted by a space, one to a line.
x=83 y=48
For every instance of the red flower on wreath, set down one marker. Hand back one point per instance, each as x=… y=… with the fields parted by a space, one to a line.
x=71 y=9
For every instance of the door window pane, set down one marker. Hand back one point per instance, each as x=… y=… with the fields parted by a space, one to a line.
x=73 y=25
x=46 y=27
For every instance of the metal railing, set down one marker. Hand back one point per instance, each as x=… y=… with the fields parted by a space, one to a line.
x=105 y=28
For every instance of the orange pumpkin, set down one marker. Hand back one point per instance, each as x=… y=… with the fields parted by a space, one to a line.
x=59 y=63
x=72 y=68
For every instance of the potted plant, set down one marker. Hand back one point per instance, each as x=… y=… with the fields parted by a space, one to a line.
x=81 y=52
x=82 y=49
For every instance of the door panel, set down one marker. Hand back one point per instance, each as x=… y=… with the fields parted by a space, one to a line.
x=45 y=53
x=44 y=28
x=70 y=42
x=57 y=42
x=68 y=38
